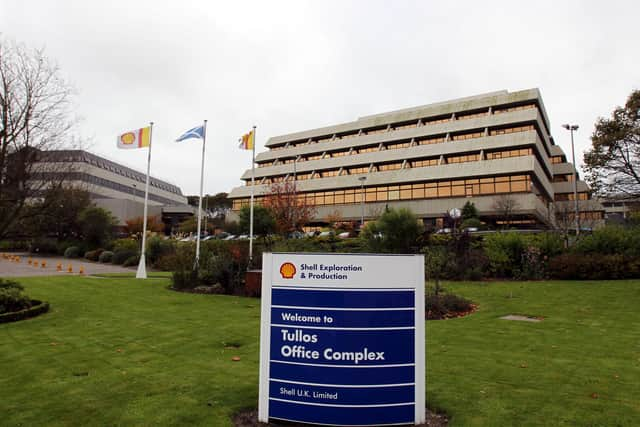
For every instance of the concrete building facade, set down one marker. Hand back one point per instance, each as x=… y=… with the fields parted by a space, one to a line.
x=113 y=186
x=491 y=149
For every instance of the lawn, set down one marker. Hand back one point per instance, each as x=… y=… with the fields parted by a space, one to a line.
x=116 y=351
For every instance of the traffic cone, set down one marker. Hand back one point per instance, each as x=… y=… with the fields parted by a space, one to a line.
x=35 y=263
x=59 y=267
x=70 y=269
x=43 y=264
x=81 y=270
x=30 y=261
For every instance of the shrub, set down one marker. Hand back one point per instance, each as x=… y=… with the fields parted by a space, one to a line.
x=594 y=266
x=43 y=246
x=442 y=306
x=131 y=261
x=62 y=246
x=105 y=256
x=166 y=262
x=121 y=255
x=93 y=255
x=14 y=245
x=72 y=252
x=157 y=248
x=126 y=244
x=36 y=308
x=610 y=240
x=12 y=299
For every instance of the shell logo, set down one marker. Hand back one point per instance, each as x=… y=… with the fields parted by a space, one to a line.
x=287 y=270
x=128 y=138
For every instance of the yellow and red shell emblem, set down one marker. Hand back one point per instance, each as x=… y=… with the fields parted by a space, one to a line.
x=287 y=270
x=128 y=138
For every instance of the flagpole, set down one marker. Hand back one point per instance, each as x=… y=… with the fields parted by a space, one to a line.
x=142 y=265
x=253 y=166
x=204 y=141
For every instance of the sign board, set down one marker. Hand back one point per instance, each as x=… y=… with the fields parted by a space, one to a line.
x=342 y=339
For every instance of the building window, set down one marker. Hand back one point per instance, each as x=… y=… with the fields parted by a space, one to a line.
x=505 y=131
x=467 y=135
x=500 y=110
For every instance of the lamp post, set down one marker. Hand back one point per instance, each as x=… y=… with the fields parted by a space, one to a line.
x=362 y=179
x=572 y=128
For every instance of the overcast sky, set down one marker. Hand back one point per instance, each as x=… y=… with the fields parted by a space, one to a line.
x=292 y=66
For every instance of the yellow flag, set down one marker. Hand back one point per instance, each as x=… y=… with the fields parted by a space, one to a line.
x=246 y=142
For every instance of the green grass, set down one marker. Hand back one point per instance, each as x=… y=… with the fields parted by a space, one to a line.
x=116 y=351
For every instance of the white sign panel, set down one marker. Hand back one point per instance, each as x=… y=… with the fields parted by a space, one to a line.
x=342 y=339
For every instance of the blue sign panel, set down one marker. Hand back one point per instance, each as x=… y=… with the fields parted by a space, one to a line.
x=342 y=339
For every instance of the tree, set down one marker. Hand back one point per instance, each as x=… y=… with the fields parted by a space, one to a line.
x=504 y=206
x=613 y=163
x=290 y=211
x=55 y=214
x=97 y=226
x=154 y=224
x=469 y=211
x=35 y=117
x=396 y=231
x=264 y=222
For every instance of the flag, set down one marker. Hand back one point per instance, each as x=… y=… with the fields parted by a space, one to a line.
x=246 y=142
x=135 y=139
x=196 y=132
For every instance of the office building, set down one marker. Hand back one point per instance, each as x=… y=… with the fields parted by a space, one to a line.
x=494 y=150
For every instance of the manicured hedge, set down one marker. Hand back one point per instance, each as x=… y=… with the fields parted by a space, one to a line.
x=36 y=309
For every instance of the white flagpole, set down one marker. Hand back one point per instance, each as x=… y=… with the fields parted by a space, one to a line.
x=142 y=265
x=204 y=140
x=253 y=164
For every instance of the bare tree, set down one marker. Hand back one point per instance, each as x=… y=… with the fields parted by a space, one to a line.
x=35 y=117
x=290 y=209
x=505 y=205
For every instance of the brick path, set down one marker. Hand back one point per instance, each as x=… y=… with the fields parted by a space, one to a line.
x=10 y=268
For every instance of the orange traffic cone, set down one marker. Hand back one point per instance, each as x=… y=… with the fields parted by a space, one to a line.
x=35 y=263
x=30 y=261
x=43 y=264
x=59 y=267
x=70 y=269
x=81 y=270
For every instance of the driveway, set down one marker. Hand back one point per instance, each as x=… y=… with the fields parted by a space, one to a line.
x=11 y=268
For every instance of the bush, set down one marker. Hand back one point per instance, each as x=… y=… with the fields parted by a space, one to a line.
x=14 y=245
x=93 y=255
x=594 y=267
x=10 y=284
x=443 y=306
x=36 y=308
x=131 y=261
x=43 y=246
x=521 y=256
x=610 y=240
x=121 y=255
x=126 y=244
x=166 y=263
x=105 y=256
x=62 y=246
x=157 y=248
x=72 y=252
x=396 y=231
x=12 y=299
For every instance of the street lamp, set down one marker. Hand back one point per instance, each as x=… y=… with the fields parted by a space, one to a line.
x=362 y=179
x=572 y=128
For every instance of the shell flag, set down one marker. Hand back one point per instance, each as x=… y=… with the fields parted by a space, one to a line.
x=135 y=139
x=247 y=141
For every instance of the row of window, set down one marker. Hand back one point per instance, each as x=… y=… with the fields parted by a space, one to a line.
x=424 y=190
x=397 y=145
x=101 y=182
x=409 y=125
x=563 y=197
x=563 y=178
x=412 y=164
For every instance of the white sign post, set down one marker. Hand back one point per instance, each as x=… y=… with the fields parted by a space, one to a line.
x=342 y=339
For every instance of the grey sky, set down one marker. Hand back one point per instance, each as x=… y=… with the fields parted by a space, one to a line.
x=291 y=66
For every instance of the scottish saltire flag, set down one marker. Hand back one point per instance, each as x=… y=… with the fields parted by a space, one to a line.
x=197 y=132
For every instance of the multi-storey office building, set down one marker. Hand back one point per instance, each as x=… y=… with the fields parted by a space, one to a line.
x=484 y=149
x=113 y=186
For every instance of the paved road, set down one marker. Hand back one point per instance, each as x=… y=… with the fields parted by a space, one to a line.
x=9 y=268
